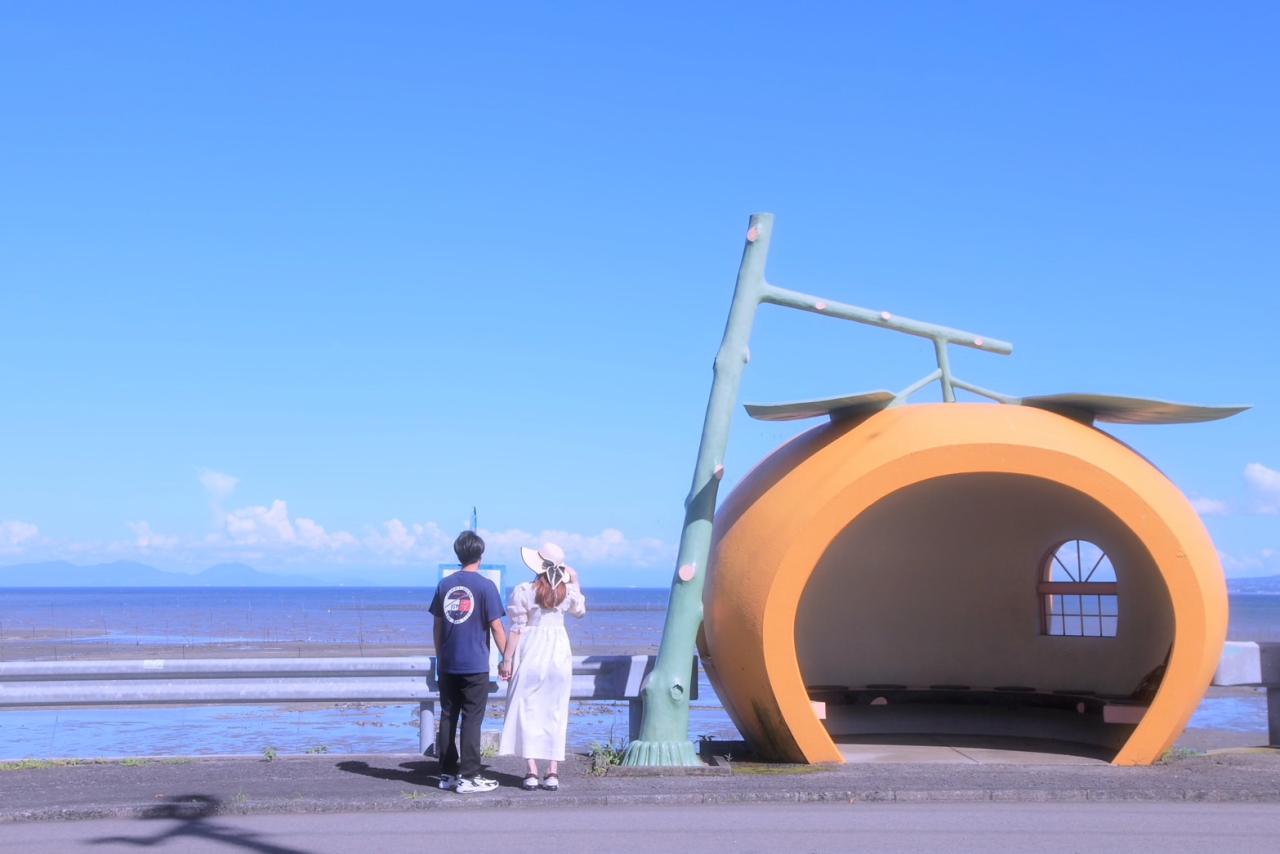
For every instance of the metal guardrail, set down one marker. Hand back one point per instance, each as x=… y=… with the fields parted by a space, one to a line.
x=217 y=681
x=1254 y=665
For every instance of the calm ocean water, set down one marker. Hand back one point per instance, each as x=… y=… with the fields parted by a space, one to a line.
x=623 y=620
x=83 y=623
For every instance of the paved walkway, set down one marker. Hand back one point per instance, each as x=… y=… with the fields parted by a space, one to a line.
x=320 y=784
x=1098 y=828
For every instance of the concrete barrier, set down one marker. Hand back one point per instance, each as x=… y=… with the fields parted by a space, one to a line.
x=1248 y=663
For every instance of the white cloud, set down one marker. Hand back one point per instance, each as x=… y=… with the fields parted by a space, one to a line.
x=258 y=524
x=14 y=533
x=145 y=538
x=419 y=541
x=270 y=536
x=271 y=527
x=218 y=485
x=312 y=536
x=610 y=547
x=1260 y=563
x=1210 y=507
x=1266 y=483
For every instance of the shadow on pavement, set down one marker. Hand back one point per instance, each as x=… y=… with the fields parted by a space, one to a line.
x=192 y=812
x=417 y=773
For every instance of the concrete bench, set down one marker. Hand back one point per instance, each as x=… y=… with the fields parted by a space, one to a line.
x=1113 y=709
x=217 y=681
x=1243 y=663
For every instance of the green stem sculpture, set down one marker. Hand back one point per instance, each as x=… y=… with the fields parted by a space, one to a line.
x=664 y=733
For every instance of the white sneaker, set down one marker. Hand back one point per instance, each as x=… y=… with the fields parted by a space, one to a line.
x=448 y=781
x=474 y=785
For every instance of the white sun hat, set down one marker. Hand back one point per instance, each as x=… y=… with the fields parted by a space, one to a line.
x=540 y=560
x=549 y=559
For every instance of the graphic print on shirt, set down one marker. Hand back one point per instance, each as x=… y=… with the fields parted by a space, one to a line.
x=458 y=605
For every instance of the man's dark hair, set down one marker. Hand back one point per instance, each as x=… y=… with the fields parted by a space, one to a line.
x=468 y=547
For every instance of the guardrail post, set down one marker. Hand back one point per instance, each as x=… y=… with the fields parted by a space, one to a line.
x=1273 y=715
x=427 y=727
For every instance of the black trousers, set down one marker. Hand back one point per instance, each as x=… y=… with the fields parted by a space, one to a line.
x=463 y=696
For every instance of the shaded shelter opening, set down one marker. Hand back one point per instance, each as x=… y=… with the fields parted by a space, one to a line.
x=924 y=620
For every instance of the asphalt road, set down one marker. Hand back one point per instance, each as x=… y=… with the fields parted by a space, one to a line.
x=1083 y=827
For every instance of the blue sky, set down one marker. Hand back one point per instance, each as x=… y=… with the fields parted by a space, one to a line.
x=298 y=284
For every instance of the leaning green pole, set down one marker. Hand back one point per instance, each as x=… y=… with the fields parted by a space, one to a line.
x=664 y=733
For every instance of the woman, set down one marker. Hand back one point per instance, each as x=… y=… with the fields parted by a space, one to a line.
x=539 y=663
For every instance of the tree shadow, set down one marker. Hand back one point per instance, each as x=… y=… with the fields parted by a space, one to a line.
x=417 y=773
x=193 y=814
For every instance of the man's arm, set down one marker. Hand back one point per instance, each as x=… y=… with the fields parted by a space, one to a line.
x=437 y=635
x=499 y=633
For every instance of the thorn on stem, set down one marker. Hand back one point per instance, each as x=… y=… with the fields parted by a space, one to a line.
x=687 y=572
x=753 y=233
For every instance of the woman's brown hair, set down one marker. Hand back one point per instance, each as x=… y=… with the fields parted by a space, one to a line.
x=545 y=595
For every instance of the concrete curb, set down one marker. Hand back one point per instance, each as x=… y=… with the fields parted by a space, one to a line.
x=302 y=806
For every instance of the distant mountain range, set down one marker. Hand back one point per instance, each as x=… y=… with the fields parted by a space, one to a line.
x=124 y=573
x=1265 y=584
x=129 y=574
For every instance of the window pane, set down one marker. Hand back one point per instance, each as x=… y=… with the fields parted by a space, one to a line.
x=1090 y=604
x=1108 y=627
x=1110 y=606
x=1073 y=626
x=1071 y=604
x=1094 y=564
x=1092 y=627
x=1064 y=565
x=1055 y=625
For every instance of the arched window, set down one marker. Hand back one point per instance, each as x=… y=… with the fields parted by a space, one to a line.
x=1078 y=592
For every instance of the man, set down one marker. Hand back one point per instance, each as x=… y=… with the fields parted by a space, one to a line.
x=467 y=609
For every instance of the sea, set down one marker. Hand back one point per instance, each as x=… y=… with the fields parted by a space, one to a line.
x=81 y=623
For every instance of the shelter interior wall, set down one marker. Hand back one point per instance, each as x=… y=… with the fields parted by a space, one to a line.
x=936 y=584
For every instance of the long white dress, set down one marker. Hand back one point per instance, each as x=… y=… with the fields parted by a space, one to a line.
x=542 y=675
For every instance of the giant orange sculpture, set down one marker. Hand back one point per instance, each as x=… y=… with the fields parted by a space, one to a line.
x=965 y=501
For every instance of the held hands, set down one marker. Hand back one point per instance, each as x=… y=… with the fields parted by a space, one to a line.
x=504 y=669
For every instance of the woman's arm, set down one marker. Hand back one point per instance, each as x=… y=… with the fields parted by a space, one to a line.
x=577 y=601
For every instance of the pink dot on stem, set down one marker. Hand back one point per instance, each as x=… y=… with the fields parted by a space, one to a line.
x=884 y=315
x=752 y=233
x=977 y=342
x=718 y=473
x=820 y=306
x=687 y=572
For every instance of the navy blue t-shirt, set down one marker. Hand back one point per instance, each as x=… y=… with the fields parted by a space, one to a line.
x=465 y=604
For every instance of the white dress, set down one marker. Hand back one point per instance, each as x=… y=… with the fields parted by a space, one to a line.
x=542 y=676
